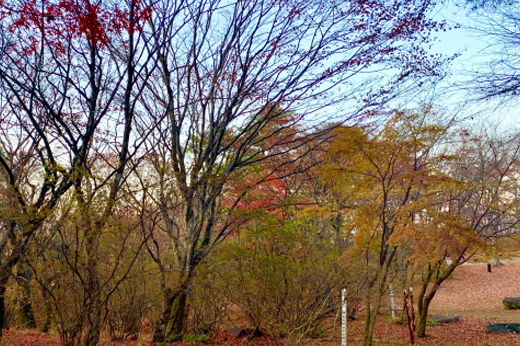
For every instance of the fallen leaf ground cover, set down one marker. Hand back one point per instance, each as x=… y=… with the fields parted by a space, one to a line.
x=472 y=288
x=473 y=294
x=470 y=331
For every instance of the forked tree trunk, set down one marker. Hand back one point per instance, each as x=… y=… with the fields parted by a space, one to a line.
x=423 y=305
x=370 y=322
x=173 y=317
x=372 y=310
x=378 y=283
x=425 y=297
x=177 y=317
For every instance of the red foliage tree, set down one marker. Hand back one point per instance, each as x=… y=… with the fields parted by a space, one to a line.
x=67 y=68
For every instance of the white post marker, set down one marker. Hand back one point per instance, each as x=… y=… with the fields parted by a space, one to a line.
x=392 y=305
x=344 y=317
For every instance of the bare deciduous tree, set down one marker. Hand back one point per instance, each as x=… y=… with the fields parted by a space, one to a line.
x=235 y=75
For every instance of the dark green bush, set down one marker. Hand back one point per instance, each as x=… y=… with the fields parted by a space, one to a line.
x=512 y=303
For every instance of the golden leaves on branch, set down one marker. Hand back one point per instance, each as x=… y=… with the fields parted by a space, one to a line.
x=394 y=187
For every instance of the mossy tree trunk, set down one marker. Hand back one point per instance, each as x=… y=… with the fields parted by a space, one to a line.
x=174 y=312
x=25 y=311
x=177 y=317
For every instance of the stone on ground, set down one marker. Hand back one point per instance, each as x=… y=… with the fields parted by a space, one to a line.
x=511 y=303
x=504 y=328
x=446 y=319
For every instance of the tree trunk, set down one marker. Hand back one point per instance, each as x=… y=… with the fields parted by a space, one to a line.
x=160 y=328
x=425 y=298
x=48 y=307
x=379 y=283
x=25 y=310
x=423 y=306
x=370 y=322
x=94 y=330
x=3 y=282
x=421 y=323
x=173 y=317
x=25 y=313
x=93 y=290
x=371 y=312
x=46 y=325
x=177 y=317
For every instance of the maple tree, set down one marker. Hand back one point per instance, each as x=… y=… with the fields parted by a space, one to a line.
x=437 y=240
x=481 y=206
x=468 y=198
x=386 y=176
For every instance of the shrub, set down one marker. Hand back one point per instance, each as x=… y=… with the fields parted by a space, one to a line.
x=208 y=308
x=282 y=276
x=512 y=303
x=125 y=313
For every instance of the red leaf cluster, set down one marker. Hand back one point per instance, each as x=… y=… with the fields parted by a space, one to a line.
x=265 y=195
x=72 y=19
